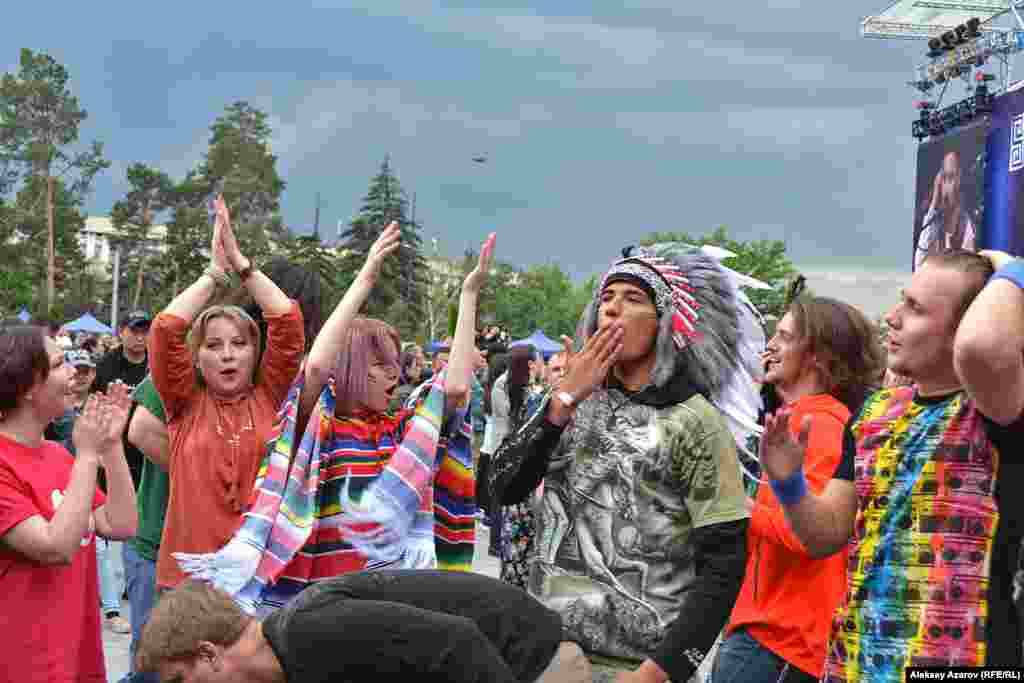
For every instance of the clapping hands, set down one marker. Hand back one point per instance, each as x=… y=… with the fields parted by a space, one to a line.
x=102 y=422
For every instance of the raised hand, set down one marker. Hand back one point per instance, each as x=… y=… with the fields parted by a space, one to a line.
x=586 y=370
x=477 y=278
x=92 y=428
x=218 y=257
x=781 y=455
x=386 y=244
x=227 y=237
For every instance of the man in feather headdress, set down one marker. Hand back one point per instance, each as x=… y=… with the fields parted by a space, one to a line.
x=643 y=521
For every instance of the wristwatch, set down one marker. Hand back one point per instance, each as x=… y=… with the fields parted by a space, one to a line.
x=567 y=399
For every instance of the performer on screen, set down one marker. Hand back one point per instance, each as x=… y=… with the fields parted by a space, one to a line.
x=947 y=224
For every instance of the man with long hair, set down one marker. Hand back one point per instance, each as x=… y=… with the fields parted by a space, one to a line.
x=822 y=361
x=924 y=488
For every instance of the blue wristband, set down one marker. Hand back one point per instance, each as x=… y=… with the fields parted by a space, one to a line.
x=1012 y=271
x=791 y=491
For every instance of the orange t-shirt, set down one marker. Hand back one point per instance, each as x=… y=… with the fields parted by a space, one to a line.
x=211 y=479
x=788 y=598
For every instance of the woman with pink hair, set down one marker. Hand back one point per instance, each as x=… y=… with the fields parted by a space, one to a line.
x=347 y=484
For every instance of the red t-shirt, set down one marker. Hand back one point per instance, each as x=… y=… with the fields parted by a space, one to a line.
x=50 y=619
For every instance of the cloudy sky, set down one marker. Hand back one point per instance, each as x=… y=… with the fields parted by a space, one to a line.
x=600 y=122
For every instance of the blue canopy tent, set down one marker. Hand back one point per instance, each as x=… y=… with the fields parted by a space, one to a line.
x=87 y=323
x=23 y=315
x=541 y=342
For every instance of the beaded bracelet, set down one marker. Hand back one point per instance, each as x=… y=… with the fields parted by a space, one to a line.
x=219 y=277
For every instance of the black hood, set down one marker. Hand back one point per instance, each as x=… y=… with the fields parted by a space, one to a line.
x=676 y=390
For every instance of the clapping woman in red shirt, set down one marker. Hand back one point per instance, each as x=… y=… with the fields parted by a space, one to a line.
x=51 y=511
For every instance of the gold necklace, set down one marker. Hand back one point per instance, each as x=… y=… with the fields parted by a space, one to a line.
x=235 y=440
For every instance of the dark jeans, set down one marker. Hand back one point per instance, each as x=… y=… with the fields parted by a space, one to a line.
x=741 y=659
x=140 y=575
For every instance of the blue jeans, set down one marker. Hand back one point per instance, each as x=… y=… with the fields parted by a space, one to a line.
x=741 y=659
x=111 y=586
x=140 y=575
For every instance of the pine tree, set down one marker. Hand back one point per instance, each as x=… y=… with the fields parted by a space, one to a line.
x=32 y=226
x=39 y=121
x=151 y=192
x=310 y=253
x=239 y=165
x=188 y=237
x=402 y=283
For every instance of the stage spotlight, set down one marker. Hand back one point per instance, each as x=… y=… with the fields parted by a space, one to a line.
x=934 y=48
x=973 y=27
x=982 y=96
x=961 y=34
x=949 y=40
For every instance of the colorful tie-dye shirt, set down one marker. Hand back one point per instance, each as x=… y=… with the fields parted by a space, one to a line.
x=929 y=574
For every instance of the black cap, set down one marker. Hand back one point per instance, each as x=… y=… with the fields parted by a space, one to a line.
x=137 y=319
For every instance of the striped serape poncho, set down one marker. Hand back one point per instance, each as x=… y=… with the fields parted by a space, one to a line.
x=359 y=492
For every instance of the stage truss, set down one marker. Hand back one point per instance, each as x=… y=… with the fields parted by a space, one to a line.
x=917 y=19
x=982 y=58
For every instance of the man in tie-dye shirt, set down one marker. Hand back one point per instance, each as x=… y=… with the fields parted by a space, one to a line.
x=923 y=492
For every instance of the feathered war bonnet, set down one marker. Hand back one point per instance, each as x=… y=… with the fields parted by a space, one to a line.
x=708 y=330
x=698 y=312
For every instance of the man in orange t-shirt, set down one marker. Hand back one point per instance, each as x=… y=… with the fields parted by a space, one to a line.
x=822 y=361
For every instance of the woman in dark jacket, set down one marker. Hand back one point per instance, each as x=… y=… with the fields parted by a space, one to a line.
x=513 y=403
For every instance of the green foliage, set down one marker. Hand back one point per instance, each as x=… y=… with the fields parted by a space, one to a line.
x=453 y=318
x=39 y=121
x=541 y=298
x=16 y=286
x=765 y=260
x=150 y=192
x=310 y=253
x=239 y=165
x=403 y=280
x=30 y=227
x=188 y=238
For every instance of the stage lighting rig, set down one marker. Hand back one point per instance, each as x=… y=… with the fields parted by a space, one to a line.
x=982 y=96
x=973 y=27
x=958 y=51
x=922 y=126
x=932 y=121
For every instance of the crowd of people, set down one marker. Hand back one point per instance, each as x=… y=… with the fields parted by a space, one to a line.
x=672 y=494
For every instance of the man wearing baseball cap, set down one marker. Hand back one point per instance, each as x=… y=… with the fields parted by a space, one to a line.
x=129 y=363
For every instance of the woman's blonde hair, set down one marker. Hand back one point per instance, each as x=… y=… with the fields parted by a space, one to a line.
x=197 y=333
